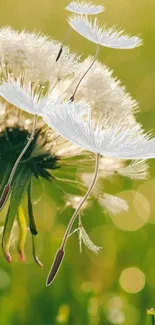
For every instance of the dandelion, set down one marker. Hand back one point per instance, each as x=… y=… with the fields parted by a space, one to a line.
x=28 y=65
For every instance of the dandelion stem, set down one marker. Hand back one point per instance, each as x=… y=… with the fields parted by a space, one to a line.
x=34 y=253
x=7 y=187
x=82 y=202
x=60 y=252
x=23 y=151
x=94 y=60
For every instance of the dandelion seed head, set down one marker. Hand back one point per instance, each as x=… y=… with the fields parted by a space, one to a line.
x=105 y=94
x=29 y=59
x=32 y=56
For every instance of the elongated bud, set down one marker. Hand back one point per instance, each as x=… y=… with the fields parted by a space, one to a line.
x=59 y=54
x=4 y=195
x=55 y=267
x=31 y=215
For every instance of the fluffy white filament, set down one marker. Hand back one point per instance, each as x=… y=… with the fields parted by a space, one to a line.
x=112 y=37
x=135 y=170
x=84 y=238
x=22 y=97
x=84 y=8
x=25 y=98
x=113 y=204
x=107 y=138
x=74 y=122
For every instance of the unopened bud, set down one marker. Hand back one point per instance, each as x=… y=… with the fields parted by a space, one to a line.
x=55 y=267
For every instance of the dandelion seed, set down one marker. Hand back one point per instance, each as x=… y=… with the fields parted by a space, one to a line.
x=112 y=37
x=84 y=8
x=102 y=137
x=135 y=170
x=60 y=253
x=84 y=238
x=113 y=204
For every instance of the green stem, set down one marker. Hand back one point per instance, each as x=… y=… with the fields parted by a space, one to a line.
x=151 y=316
x=32 y=224
x=7 y=188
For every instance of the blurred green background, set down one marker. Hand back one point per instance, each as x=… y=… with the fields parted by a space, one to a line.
x=118 y=285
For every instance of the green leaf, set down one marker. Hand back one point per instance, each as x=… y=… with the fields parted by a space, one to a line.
x=22 y=232
x=5 y=171
x=19 y=187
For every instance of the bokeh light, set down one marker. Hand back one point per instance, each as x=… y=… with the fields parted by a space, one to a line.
x=147 y=189
x=138 y=213
x=132 y=280
x=115 y=310
x=63 y=314
x=5 y=280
